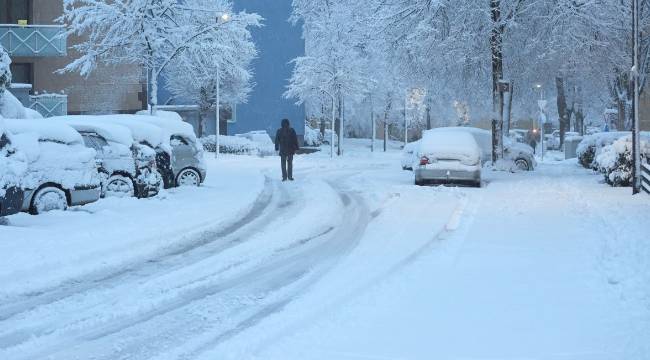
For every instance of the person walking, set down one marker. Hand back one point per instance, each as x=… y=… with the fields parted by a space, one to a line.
x=286 y=143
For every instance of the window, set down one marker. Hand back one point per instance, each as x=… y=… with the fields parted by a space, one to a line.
x=22 y=73
x=13 y=10
x=178 y=140
x=94 y=141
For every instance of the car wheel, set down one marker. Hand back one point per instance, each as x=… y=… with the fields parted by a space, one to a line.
x=119 y=186
x=47 y=199
x=522 y=164
x=188 y=177
x=418 y=182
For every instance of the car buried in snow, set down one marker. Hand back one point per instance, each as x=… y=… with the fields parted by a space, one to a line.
x=13 y=165
x=520 y=156
x=448 y=157
x=409 y=155
x=126 y=167
x=61 y=170
x=187 y=162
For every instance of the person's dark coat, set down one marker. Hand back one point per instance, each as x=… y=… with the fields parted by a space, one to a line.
x=286 y=140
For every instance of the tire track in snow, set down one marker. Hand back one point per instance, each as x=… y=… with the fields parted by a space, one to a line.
x=310 y=259
x=204 y=245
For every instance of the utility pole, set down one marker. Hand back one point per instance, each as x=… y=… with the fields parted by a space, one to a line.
x=218 y=114
x=636 y=150
x=406 y=127
x=373 y=125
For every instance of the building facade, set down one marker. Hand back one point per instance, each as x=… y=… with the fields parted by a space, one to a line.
x=31 y=35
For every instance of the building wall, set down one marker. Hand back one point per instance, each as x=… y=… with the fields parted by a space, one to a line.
x=278 y=42
x=108 y=89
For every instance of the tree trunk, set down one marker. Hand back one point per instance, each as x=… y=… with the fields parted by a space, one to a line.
x=154 y=91
x=496 y=47
x=620 y=122
x=561 y=108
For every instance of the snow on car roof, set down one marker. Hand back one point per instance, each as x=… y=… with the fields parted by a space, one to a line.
x=44 y=130
x=449 y=144
x=111 y=132
x=170 y=121
x=474 y=130
x=140 y=131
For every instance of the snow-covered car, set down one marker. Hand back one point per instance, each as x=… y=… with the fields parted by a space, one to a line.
x=263 y=141
x=13 y=166
x=126 y=167
x=448 y=157
x=521 y=155
x=187 y=162
x=61 y=170
x=553 y=141
x=409 y=155
x=149 y=135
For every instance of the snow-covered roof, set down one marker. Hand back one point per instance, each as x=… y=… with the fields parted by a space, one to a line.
x=44 y=130
x=458 y=145
x=111 y=132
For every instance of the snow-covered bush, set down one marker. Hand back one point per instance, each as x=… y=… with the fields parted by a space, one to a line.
x=313 y=137
x=235 y=145
x=592 y=145
x=615 y=160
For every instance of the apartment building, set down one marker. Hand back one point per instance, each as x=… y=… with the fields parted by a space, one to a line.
x=35 y=42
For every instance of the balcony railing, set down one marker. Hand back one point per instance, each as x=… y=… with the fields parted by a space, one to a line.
x=33 y=40
x=49 y=104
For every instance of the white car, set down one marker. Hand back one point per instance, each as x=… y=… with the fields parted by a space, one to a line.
x=410 y=155
x=187 y=162
x=521 y=155
x=448 y=157
x=61 y=170
x=126 y=167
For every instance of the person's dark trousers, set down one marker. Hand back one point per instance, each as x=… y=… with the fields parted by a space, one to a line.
x=287 y=166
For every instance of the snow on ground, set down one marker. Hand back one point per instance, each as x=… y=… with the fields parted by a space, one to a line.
x=43 y=251
x=351 y=261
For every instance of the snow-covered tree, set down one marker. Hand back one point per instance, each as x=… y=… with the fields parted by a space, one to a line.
x=227 y=53
x=151 y=33
x=5 y=71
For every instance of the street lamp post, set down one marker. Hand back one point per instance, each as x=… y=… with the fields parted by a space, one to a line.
x=406 y=127
x=225 y=17
x=541 y=103
x=218 y=115
x=636 y=146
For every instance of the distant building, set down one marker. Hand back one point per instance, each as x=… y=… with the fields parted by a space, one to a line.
x=29 y=32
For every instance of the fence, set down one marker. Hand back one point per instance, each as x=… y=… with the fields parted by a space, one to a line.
x=33 y=40
x=49 y=104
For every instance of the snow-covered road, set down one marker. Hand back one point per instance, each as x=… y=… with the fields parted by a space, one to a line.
x=349 y=262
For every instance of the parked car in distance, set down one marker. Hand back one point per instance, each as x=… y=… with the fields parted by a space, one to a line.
x=187 y=162
x=521 y=155
x=61 y=170
x=448 y=157
x=13 y=166
x=126 y=167
x=410 y=155
x=553 y=141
